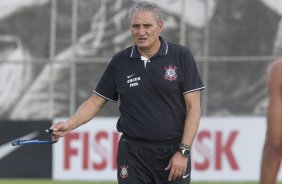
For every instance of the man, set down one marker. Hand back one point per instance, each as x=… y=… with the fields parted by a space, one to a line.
x=272 y=152
x=158 y=85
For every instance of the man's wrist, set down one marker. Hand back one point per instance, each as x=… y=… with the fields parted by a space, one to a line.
x=186 y=146
x=71 y=125
x=185 y=150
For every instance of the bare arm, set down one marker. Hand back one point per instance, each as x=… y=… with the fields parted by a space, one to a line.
x=193 y=107
x=84 y=113
x=272 y=150
x=274 y=117
x=178 y=164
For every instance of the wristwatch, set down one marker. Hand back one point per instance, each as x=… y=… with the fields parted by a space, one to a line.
x=185 y=150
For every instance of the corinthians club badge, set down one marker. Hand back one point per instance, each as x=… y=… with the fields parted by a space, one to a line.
x=124 y=172
x=170 y=73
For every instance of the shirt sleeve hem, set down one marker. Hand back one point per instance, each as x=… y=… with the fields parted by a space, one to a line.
x=115 y=101
x=197 y=89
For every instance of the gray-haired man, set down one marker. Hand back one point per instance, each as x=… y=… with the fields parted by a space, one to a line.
x=158 y=86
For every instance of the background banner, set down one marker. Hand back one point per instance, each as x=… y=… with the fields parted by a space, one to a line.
x=26 y=161
x=225 y=149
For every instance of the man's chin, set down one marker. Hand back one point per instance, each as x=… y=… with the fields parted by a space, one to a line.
x=142 y=46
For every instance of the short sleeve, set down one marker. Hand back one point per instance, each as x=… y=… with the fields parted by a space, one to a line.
x=106 y=87
x=192 y=80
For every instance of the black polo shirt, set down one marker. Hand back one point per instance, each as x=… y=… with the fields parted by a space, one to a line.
x=152 y=106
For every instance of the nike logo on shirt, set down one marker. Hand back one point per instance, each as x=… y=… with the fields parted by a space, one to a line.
x=7 y=148
x=129 y=76
x=186 y=176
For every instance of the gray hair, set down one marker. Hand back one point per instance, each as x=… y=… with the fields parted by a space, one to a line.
x=147 y=6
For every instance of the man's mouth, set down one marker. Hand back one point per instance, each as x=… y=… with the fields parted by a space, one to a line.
x=142 y=39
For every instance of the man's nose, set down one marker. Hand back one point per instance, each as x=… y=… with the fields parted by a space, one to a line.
x=141 y=31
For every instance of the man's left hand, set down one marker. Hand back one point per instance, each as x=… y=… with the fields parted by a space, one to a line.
x=177 y=166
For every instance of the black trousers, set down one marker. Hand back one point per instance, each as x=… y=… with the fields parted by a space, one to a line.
x=141 y=162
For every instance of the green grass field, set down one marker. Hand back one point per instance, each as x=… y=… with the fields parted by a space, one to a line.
x=40 y=181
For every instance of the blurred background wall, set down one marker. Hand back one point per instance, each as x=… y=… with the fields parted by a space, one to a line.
x=53 y=52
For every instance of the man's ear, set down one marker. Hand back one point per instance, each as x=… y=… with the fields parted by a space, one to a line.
x=161 y=25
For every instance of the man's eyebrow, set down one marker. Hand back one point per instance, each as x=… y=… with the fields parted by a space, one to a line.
x=135 y=25
x=138 y=24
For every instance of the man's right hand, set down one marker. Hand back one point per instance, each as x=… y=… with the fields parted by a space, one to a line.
x=60 y=129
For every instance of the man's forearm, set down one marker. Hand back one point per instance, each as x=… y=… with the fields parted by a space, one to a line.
x=86 y=111
x=191 y=125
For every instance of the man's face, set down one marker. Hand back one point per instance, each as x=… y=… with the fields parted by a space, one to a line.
x=145 y=29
